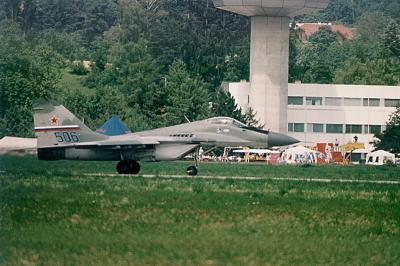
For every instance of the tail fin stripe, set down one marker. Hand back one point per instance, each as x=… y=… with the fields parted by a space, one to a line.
x=57 y=128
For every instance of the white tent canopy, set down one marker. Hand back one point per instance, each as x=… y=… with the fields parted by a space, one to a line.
x=299 y=155
x=379 y=157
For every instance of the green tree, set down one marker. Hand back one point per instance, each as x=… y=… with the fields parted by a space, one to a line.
x=249 y=118
x=130 y=68
x=323 y=38
x=25 y=75
x=95 y=109
x=203 y=37
x=71 y=46
x=370 y=25
x=99 y=16
x=391 y=41
x=294 y=68
x=319 y=59
x=313 y=65
x=89 y=18
x=391 y=8
x=352 y=72
x=374 y=72
x=319 y=71
x=184 y=96
x=223 y=104
x=337 y=10
x=236 y=64
x=10 y=9
x=389 y=140
x=137 y=73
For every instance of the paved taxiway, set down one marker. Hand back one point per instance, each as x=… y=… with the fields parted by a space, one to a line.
x=317 y=180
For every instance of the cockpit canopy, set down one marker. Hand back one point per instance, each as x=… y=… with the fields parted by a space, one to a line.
x=235 y=123
x=226 y=121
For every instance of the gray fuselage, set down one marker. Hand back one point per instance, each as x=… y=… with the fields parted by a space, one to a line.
x=170 y=143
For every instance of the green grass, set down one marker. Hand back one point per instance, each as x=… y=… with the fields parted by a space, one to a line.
x=51 y=214
x=71 y=81
x=31 y=166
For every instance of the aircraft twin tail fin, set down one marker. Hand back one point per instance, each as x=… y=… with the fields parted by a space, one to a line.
x=56 y=126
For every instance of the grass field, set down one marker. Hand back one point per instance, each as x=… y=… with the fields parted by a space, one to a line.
x=52 y=214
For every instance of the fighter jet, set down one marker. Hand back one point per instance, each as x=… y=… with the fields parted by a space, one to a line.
x=62 y=136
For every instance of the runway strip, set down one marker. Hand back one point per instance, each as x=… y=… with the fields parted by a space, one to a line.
x=250 y=178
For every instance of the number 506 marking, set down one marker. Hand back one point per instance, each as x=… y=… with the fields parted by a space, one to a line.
x=66 y=137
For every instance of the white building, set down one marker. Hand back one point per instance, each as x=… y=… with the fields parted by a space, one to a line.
x=332 y=113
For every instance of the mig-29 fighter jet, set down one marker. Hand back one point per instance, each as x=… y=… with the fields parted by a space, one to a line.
x=62 y=136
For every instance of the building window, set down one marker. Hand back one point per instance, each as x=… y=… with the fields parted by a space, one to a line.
x=373 y=102
x=298 y=127
x=334 y=128
x=333 y=101
x=392 y=102
x=354 y=129
x=315 y=128
x=295 y=127
x=295 y=100
x=352 y=101
x=313 y=100
x=374 y=129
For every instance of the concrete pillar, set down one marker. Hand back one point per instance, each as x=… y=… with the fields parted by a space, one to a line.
x=269 y=56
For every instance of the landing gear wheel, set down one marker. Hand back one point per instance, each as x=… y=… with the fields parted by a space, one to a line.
x=128 y=167
x=191 y=170
x=134 y=167
x=123 y=167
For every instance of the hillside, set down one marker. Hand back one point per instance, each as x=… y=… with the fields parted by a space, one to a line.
x=164 y=60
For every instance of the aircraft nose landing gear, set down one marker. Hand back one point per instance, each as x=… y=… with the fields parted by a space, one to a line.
x=128 y=167
x=192 y=170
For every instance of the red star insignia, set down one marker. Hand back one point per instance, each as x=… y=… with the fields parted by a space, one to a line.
x=54 y=120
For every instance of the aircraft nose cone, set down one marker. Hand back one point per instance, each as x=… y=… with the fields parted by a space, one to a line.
x=278 y=139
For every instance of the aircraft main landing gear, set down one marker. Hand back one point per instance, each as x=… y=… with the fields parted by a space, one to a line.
x=128 y=167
